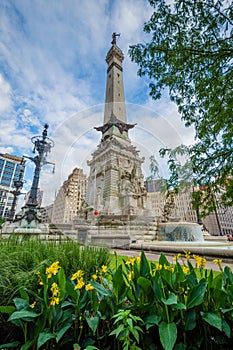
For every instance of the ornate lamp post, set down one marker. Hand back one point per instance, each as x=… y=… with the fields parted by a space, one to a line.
x=43 y=145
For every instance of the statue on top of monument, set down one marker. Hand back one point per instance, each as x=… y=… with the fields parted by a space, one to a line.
x=114 y=35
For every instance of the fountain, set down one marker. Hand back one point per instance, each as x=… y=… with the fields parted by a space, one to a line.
x=172 y=229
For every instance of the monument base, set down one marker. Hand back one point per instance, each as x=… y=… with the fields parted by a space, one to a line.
x=28 y=223
x=116 y=231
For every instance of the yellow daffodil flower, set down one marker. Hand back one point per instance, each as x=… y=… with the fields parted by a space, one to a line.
x=53 y=269
x=77 y=275
x=89 y=287
x=130 y=261
x=104 y=268
x=94 y=277
x=80 y=284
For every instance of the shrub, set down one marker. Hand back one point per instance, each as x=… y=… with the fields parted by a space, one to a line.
x=139 y=305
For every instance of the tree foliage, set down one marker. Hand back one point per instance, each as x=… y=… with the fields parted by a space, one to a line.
x=190 y=53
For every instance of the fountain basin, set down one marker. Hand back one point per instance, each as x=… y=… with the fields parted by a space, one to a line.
x=180 y=231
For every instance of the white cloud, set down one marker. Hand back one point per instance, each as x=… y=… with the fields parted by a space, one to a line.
x=5 y=96
x=54 y=70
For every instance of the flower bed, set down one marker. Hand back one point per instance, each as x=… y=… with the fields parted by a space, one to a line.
x=138 y=305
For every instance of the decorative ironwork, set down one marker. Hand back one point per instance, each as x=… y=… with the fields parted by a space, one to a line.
x=42 y=145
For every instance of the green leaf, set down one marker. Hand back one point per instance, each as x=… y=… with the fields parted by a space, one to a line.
x=23 y=314
x=168 y=335
x=190 y=320
x=10 y=345
x=44 y=337
x=218 y=282
x=72 y=292
x=172 y=299
x=62 y=331
x=163 y=260
x=197 y=295
x=21 y=303
x=213 y=318
x=226 y=328
x=117 y=331
x=157 y=286
x=61 y=282
x=152 y=320
x=28 y=345
x=144 y=283
x=100 y=289
x=92 y=322
x=135 y=334
x=144 y=265
x=7 y=309
x=130 y=322
x=180 y=306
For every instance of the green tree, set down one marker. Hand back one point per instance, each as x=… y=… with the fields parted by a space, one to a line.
x=190 y=53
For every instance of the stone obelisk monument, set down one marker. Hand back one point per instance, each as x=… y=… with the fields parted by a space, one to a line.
x=116 y=195
x=115 y=184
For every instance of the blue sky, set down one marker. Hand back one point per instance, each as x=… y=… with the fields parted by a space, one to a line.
x=53 y=70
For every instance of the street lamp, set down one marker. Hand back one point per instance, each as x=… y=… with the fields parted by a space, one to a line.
x=43 y=145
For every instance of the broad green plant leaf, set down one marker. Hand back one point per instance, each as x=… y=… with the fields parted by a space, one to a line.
x=172 y=299
x=163 y=260
x=44 y=337
x=61 y=282
x=62 y=331
x=152 y=320
x=92 y=322
x=28 y=345
x=23 y=314
x=197 y=295
x=20 y=303
x=180 y=306
x=190 y=320
x=144 y=283
x=168 y=335
x=72 y=292
x=100 y=289
x=119 y=285
x=144 y=265
x=226 y=328
x=213 y=318
x=10 y=345
x=218 y=282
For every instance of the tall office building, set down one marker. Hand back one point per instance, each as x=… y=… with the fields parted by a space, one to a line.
x=219 y=222
x=10 y=169
x=68 y=200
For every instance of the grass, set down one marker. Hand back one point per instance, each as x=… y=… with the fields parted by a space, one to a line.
x=20 y=259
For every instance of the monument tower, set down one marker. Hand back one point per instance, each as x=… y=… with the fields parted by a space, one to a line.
x=115 y=184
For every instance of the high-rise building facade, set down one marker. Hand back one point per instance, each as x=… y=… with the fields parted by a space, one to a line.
x=218 y=223
x=11 y=168
x=69 y=198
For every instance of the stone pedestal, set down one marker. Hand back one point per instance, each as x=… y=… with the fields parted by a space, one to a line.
x=28 y=222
